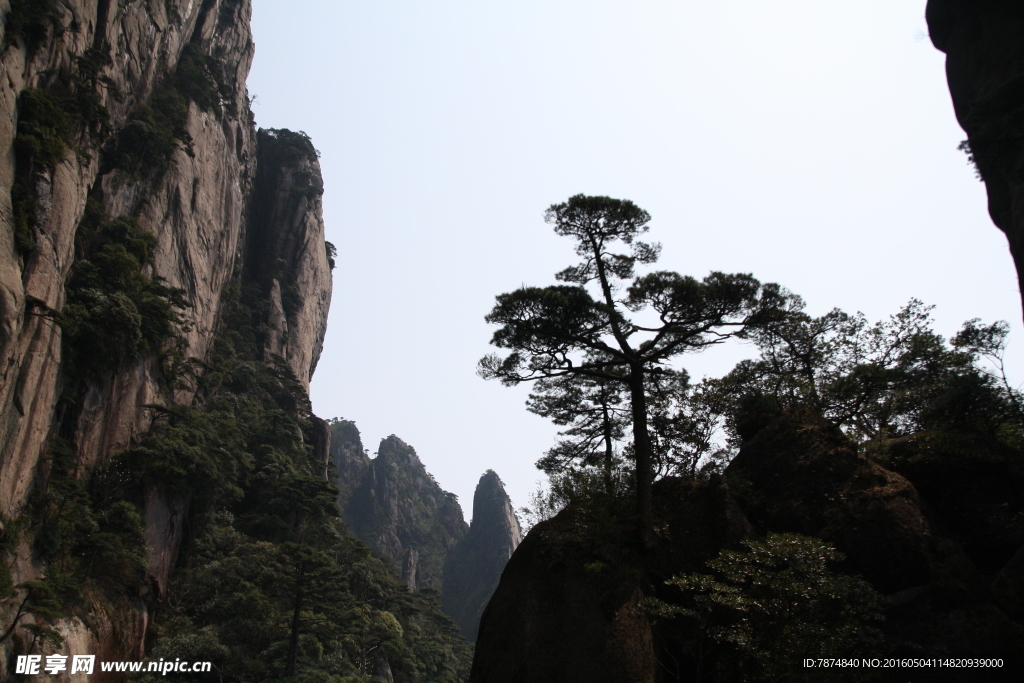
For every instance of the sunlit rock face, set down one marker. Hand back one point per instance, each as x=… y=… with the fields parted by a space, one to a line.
x=285 y=251
x=984 y=45
x=474 y=566
x=211 y=212
x=196 y=213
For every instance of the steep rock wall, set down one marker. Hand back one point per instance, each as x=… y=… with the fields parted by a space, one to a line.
x=285 y=253
x=207 y=222
x=984 y=45
x=392 y=504
x=195 y=212
x=568 y=607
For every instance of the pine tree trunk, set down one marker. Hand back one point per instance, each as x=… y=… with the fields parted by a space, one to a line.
x=609 y=453
x=293 y=641
x=644 y=464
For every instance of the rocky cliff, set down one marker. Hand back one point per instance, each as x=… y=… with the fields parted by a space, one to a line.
x=138 y=198
x=984 y=45
x=393 y=504
x=473 y=567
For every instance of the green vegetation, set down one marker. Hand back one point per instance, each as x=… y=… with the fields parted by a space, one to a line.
x=45 y=131
x=274 y=587
x=41 y=599
x=597 y=413
x=295 y=151
x=561 y=331
x=203 y=79
x=325 y=609
x=332 y=253
x=829 y=414
x=156 y=129
x=29 y=22
x=271 y=587
x=86 y=533
x=295 y=146
x=45 y=128
x=113 y=312
x=50 y=124
x=764 y=609
x=942 y=413
x=88 y=536
x=965 y=147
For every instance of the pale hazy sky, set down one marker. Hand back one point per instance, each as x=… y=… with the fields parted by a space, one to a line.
x=809 y=143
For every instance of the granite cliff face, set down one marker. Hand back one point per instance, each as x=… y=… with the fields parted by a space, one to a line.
x=83 y=110
x=285 y=251
x=474 y=565
x=984 y=45
x=197 y=209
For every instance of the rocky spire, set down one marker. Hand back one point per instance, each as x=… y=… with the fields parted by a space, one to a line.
x=474 y=566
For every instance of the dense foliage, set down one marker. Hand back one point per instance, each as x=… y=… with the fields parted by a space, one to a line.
x=155 y=130
x=901 y=447
x=764 y=609
x=51 y=123
x=114 y=312
x=941 y=412
x=324 y=609
x=275 y=588
x=29 y=22
x=272 y=586
x=69 y=115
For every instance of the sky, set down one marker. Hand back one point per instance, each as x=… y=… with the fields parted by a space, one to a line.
x=809 y=143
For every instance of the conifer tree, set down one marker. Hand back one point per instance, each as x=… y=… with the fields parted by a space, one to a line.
x=565 y=330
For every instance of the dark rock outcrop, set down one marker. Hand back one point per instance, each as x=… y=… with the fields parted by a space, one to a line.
x=285 y=251
x=568 y=607
x=803 y=475
x=473 y=567
x=349 y=459
x=392 y=504
x=984 y=45
x=972 y=483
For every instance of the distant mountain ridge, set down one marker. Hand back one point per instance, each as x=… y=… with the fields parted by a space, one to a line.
x=395 y=506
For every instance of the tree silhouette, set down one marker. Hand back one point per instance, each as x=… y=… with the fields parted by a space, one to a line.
x=597 y=416
x=564 y=330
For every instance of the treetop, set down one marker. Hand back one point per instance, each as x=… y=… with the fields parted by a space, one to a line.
x=596 y=223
